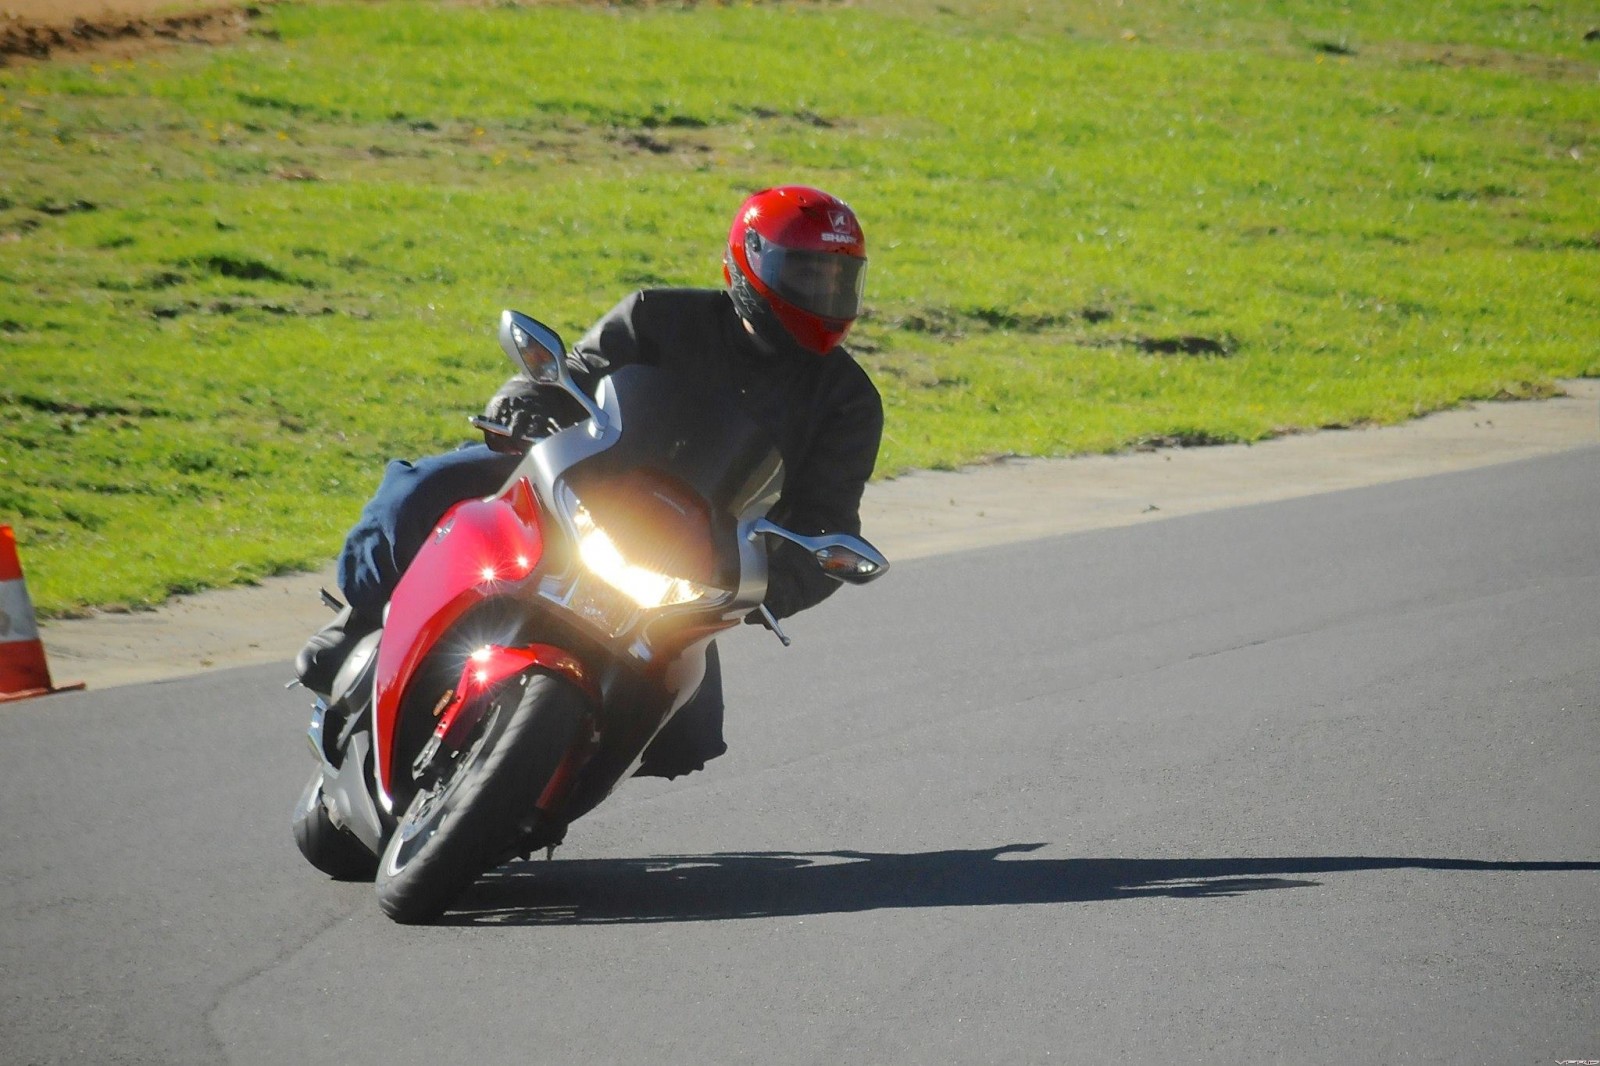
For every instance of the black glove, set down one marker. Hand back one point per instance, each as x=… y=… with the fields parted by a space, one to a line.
x=526 y=414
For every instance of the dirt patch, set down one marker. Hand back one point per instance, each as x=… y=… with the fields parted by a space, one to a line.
x=1477 y=57
x=45 y=29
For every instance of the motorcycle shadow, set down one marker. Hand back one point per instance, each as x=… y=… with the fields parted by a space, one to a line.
x=730 y=885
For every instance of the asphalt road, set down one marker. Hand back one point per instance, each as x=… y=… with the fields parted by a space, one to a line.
x=1313 y=782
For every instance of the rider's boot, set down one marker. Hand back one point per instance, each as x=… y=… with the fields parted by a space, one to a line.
x=319 y=661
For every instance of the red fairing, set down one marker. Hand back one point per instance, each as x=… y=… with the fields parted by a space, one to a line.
x=476 y=550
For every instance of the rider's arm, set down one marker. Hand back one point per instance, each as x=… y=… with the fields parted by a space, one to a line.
x=617 y=336
x=824 y=494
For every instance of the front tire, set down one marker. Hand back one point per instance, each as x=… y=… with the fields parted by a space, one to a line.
x=461 y=823
x=327 y=847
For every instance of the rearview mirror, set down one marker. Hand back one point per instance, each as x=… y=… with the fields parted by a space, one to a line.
x=534 y=347
x=539 y=351
x=850 y=564
x=841 y=556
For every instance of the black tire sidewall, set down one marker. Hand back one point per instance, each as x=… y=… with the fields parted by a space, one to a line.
x=526 y=745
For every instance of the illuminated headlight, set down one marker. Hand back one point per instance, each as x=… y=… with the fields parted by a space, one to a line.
x=643 y=586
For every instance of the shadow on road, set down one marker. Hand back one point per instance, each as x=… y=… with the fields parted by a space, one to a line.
x=697 y=888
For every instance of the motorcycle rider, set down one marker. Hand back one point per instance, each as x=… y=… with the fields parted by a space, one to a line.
x=794 y=268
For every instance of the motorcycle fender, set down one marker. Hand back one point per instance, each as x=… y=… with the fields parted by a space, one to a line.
x=488 y=666
x=476 y=552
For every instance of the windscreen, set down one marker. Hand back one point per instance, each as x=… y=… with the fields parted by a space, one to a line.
x=692 y=442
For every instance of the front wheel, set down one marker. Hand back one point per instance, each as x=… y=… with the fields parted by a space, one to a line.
x=465 y=818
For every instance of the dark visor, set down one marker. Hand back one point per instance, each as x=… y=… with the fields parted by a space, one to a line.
x=828 y=284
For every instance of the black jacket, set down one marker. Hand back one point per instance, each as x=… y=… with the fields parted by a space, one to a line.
x=822 y=412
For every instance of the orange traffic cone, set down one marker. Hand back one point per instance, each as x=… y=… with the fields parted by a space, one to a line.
x=23 y=671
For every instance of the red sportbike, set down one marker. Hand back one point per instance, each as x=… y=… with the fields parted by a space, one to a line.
x=544 y=635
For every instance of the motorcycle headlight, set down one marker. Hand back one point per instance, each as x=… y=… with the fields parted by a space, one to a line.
x=644 y=586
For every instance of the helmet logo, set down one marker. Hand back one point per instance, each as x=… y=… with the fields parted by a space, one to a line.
x=844 y=228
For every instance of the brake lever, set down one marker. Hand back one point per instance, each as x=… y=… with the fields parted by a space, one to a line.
x=772 y=623
x=547 y=423
x=498 y=429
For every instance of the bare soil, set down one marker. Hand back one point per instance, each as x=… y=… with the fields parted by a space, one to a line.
x=33 y=30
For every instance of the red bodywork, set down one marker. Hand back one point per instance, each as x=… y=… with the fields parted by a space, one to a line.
x=477 y=550
x=492 y=664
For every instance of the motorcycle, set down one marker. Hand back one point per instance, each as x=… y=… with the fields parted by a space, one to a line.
x=544 y=635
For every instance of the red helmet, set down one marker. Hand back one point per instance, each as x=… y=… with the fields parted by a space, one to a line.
x=795 y=266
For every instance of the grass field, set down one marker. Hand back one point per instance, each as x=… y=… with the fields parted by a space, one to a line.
x=233 y=281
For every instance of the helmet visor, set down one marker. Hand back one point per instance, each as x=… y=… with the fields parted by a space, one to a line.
x=827 y=284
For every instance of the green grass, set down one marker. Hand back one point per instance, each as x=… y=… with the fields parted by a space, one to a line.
x=233 y=281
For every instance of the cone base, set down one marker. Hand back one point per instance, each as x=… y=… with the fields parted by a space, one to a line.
x=23 y=667
x=30 y=693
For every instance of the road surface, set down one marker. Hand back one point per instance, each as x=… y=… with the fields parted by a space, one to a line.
x=1311 y=781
